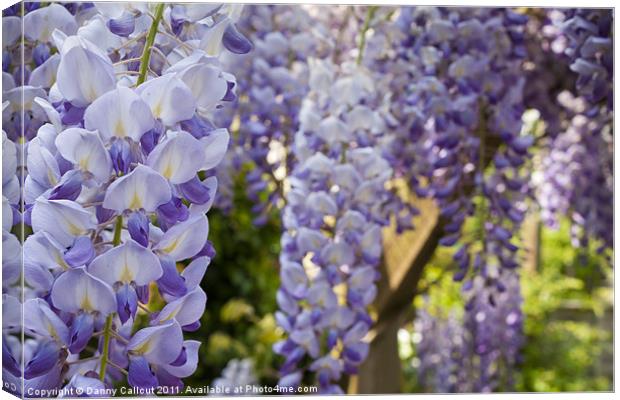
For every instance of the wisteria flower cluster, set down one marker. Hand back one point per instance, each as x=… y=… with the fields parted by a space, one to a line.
x=115 y=189
x=589 y=34
x=462 y=354
x=333 y=218
x=273 y=81
x=571 y=182
x=116 y=120
x=460 y=141
x=464 y=104
x=576 y=178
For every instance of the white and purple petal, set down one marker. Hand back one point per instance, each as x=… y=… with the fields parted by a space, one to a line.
x=127 y=263
x=141 y=189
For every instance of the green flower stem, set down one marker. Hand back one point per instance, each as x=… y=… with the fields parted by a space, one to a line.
x=106 y=347
x=150 y=39
x=360 y=54
x=107 y=330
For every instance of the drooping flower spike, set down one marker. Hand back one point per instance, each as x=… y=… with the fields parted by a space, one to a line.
x=113 y=203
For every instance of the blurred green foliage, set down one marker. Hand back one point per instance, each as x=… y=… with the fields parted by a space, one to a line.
x=568 y=305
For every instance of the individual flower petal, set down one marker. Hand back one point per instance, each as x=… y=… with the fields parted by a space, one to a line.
x=39 y=319
x=9 y=159
x=286 y=303
x=42 y=165
x=307 y=339
x=43 y=360
x=322 y=203
x=173 y=211
x=322 y=295
x=82 y=329
x=195 y=271
x=11 y=259
x=11 y=30
x=235 y=41
x=333 y=130
x=215 y=145
x=356 y=352
x=372 y=245
x=64 y=220
x=122 y=156
x=346 y=177
x=169 y=98
x=11 y=314
x=80 y=62
x=143 y=293
x=86 y=151
x=206 y=83
x=96 y=30
x=9 y=363
x=141 y=189
x=177 y=158
x=159 y=344
x=69 y=188
x=356 y=333
x=7 y=214
x=171 y=282
x=81 y=252
x=77 y=290
x=127 y=302
x=123 y=25
x=127 y=263
x=120 y=113
x=185 y=239
x=139 y=374
x=291 y=380
x=45 y=74
x=41 y=249
x=42 y=22
x=185 y=310
x=338 y=254
x=195 y=191
x=138 y=228
x=191 y=362
x=195 y=195
x=310 y=240
x=48 y=381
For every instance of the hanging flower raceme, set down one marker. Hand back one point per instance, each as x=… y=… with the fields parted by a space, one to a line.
x=464 y=103
x=461 y=114
x=574 y=176
x=116 y=193
x=332 y=245
x=476 y=352
x=272 y=84
x=572 y=182
x=589 y=33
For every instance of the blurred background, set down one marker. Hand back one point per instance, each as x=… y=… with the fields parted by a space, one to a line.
x=567 y=304
x=419 y=343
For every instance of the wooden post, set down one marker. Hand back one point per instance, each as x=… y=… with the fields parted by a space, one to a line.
x=531 y=232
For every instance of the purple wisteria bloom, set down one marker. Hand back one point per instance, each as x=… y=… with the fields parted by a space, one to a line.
x=115 y=194
x=332 y=239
